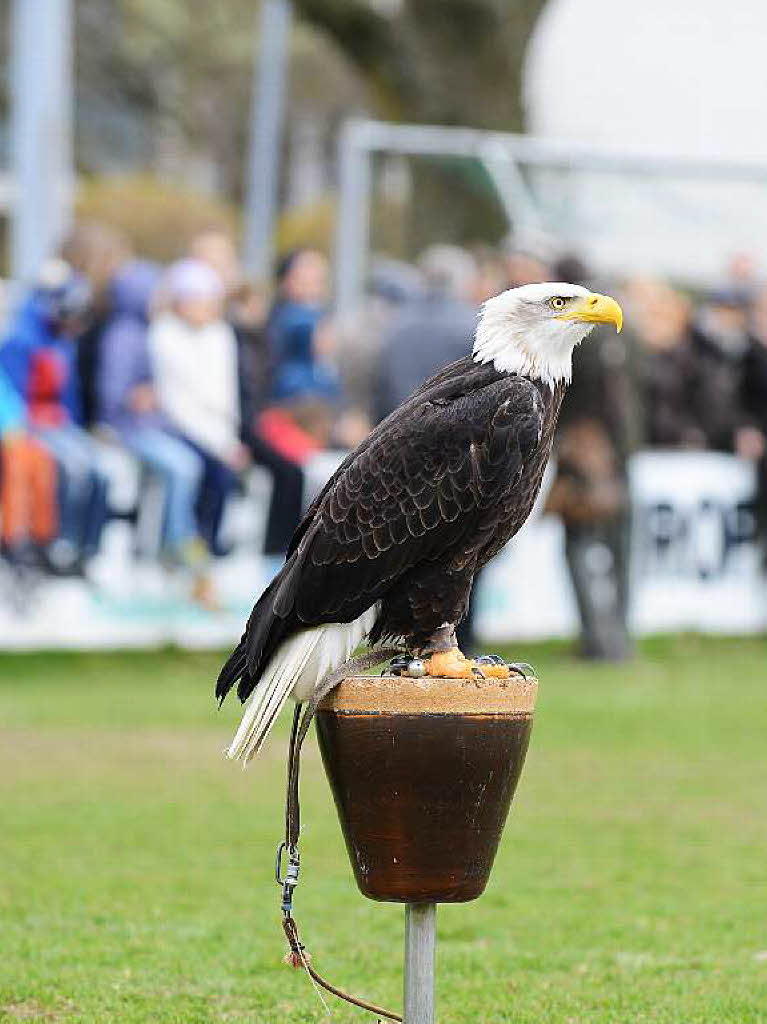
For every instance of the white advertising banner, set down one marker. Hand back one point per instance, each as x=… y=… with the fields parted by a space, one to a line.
x=696 y=561
x=695 y=565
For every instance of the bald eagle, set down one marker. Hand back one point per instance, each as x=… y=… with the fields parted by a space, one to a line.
x=389 y=549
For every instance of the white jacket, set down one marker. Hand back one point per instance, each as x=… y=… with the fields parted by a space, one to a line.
x=196 y=380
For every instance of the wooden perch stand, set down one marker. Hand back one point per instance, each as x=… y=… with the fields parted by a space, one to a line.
x=423 y=772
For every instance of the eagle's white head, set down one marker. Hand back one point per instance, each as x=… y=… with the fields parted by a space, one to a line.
x=533 y=330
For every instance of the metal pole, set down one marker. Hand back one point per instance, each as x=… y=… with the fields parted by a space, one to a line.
x=41 y=130
x=517 y=198
x=266 y=135
x=353 y=216
x=420 y=942
x=437 y=140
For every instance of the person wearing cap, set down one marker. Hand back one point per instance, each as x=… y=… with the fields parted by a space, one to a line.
x=128 y=406
x=194 y=356
x=38 y=356
x=246 y=309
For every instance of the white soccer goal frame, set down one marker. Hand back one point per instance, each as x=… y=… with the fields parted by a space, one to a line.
x=502 y=154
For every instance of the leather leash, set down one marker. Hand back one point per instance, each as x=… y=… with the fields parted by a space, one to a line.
x=298 y=957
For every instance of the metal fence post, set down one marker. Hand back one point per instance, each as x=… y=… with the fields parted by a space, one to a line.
x=353 y=217
x=41 y=141
x=266 y=135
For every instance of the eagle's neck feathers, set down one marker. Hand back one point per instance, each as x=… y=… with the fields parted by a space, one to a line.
x=518 y=343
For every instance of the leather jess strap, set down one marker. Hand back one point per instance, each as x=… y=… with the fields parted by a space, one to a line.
x=298 y=956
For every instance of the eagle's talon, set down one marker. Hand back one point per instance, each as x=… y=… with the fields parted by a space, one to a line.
x=521 y=668
x=493 y=666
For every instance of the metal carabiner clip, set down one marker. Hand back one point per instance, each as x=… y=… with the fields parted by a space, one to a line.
x=289 y=881
x=294 y=860
x=278 y=863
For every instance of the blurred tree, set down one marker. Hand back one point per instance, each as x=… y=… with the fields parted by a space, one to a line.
x=158 y=219
x=159 y=83
x=164 y=87
x=444 y=61
x=454 y=62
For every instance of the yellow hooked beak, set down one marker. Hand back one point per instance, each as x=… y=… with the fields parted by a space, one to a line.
x=595 y=309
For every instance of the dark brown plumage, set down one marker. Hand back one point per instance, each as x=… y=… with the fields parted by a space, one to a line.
x=428 y=498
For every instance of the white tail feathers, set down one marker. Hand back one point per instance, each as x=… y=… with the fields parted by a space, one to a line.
x=297 y=667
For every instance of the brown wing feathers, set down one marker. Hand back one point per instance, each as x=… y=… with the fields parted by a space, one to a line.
x=412 y=492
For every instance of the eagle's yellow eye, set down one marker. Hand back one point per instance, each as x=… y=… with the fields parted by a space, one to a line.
x=558 y=302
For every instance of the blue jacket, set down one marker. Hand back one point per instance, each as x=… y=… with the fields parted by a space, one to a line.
x=297 y=373
x=12 y=417
x=124 y=362
x=40 y=365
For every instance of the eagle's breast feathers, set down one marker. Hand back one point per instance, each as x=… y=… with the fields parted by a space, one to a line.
x=433 y=477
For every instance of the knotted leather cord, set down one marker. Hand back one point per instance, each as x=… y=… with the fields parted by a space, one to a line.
x=359 y=664
x=297 y=948
x=293 y=812
x=292 y=807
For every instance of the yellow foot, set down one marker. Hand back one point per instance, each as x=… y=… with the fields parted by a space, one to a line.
x=450 y=664
x=495 y=671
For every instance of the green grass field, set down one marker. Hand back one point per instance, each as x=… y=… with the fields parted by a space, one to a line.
x=136 y=863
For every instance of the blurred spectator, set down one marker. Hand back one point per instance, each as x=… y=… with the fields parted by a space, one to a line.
x=95 y=251
x=247 y=315
x=432 y=330
x=492 y=274
x=28 y=514
x=194 y=353
x=743 y=271
x=720 y=342
x=666 y=367
x=39 y=359
x=391 y=285
x=128 y=405
x=750 y=441
x=216 y=248
x=526 y=266
x=300 y=367
x=299 y=417
x=590 y=491
x=394 y=283
x=247 y=311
